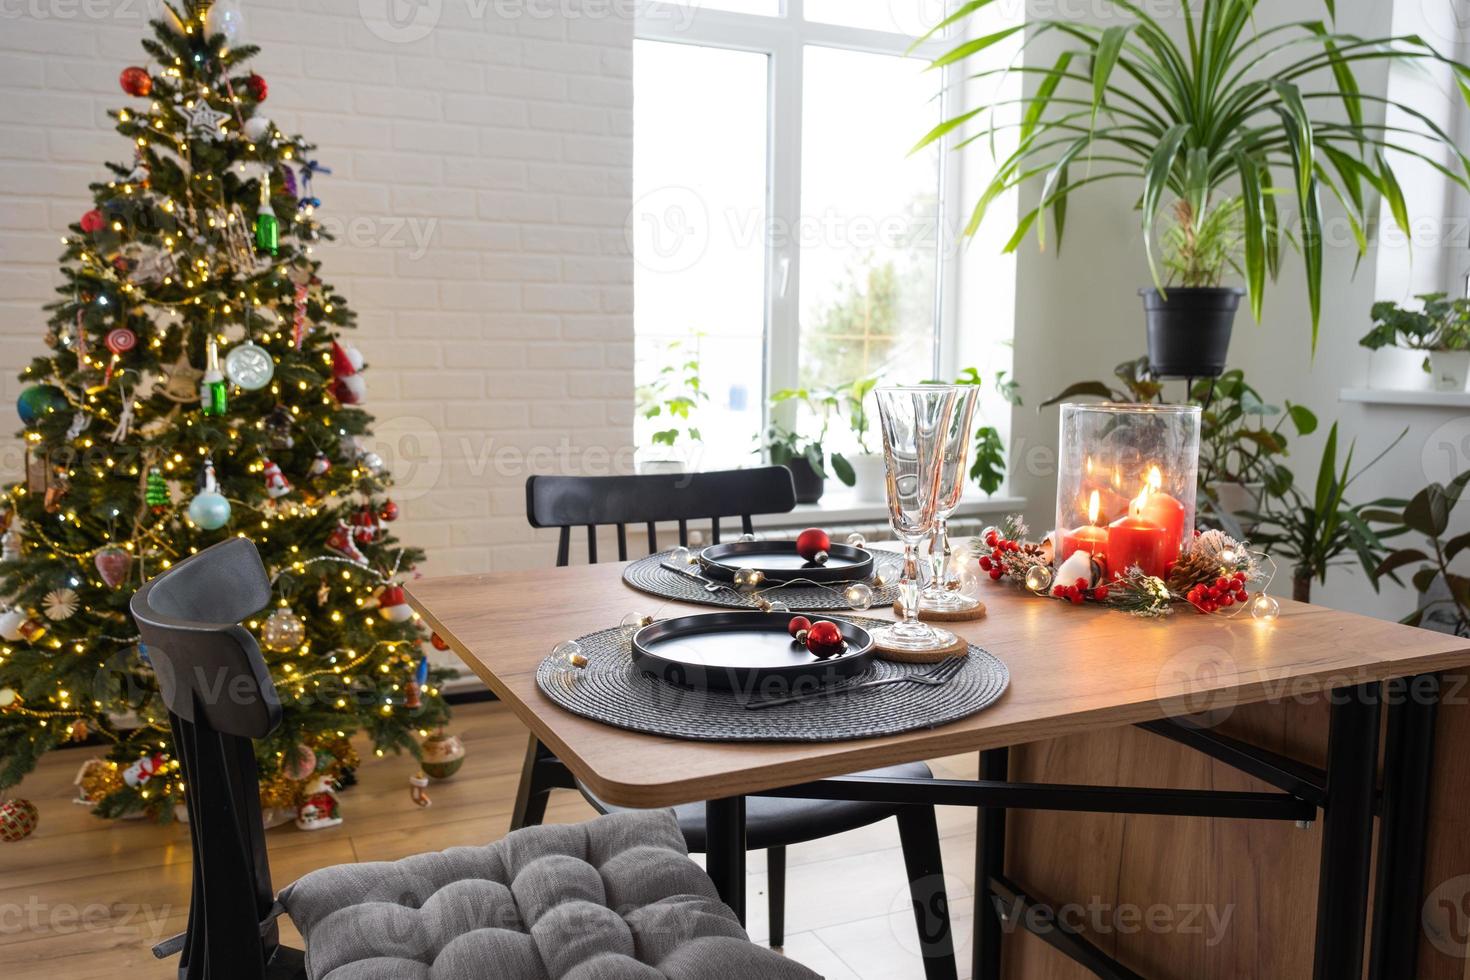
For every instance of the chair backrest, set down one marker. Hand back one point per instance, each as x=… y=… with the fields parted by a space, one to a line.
x=589 y=501
x=219 y=695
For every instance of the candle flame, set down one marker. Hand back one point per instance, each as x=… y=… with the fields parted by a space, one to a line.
x=1155 y=480
x=1136 y=505
x=1094 y=504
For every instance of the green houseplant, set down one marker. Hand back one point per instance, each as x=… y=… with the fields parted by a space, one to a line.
x=669 y=402
x=866 y=462
x=1229 y=115
x=1316 y=532
x=807 y=456
x=1444 y=602
x=1441 y=329
x=988 y=452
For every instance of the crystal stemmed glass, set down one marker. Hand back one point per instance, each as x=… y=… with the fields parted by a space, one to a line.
x=941 y=593
x=915 y=421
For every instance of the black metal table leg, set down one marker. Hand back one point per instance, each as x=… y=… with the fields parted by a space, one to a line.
x=725 y=850
x=1408 y=756
x=990 y=852
x=1347 y=832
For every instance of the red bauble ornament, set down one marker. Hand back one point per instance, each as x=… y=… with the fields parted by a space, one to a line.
x=389 y=511
x=257 y=87
x=93 y=222
x=813 y=544
x=797 y=624
x=824 y=639
x=438 y=642
x=136 y=81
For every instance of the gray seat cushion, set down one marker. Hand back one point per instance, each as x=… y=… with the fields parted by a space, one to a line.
x=616 y=898
x=775 y=822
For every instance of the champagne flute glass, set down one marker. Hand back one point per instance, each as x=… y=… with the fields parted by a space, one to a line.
x=915 y=421
x=942 y=593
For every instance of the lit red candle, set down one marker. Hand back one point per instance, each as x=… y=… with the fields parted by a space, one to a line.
x=1164 y=511
x=1089 y=538
x=1137 y=540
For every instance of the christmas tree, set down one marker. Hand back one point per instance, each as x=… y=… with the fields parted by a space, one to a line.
x=196 y=387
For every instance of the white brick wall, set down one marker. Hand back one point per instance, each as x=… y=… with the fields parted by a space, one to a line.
x=481 y=163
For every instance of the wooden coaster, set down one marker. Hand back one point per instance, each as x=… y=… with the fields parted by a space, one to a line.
x=959 y=647
x=937 y=616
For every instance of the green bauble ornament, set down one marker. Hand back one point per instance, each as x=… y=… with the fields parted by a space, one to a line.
x=39 y=401
x=442 y=755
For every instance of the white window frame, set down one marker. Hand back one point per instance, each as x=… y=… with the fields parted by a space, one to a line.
x=783 y=39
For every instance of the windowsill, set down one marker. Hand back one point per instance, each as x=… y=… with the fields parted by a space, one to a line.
x=844 y=508
x=1397 y=396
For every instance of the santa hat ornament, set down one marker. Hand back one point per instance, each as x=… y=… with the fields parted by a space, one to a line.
x=393 y=605
x=340 y=541
x=276 y=484
x=348 y=385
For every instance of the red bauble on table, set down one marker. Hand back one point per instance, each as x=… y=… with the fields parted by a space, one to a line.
x=136 y=81
x=824 y=639
x=257 y=87
x=798 y=624
x=813 y=544
x=92 y=221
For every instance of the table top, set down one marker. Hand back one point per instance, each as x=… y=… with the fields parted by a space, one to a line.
x=1073 y=669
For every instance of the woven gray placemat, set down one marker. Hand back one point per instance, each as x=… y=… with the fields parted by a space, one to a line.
x=611 y=690
x=649 y=575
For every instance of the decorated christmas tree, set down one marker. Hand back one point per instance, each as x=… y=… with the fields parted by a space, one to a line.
x=196 y=387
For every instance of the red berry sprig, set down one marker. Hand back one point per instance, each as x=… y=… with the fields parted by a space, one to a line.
x=995 y=562
x=1224 y=592
x=1079 y=592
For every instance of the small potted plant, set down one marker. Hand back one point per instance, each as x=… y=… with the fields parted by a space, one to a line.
x=867 y=465
x=988 y=451
x=1441 y=328
x=1190 y=319
x=667 y=406
x=807 y=458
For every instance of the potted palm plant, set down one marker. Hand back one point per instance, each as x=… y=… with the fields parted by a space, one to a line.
x=1227 y=115
x=1441 y=328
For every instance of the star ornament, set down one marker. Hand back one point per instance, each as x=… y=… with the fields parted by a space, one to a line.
x=205 y=120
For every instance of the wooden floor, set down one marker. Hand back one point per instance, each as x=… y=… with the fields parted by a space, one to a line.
x=84 y=897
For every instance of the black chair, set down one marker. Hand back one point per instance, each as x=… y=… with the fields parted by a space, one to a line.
x=219 y=696
x=771 y=823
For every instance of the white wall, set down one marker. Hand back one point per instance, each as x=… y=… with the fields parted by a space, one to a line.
x=1077 y=315
x=481 y=156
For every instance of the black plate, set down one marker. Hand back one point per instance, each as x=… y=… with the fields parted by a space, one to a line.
x=747 y=652
x=779 y=562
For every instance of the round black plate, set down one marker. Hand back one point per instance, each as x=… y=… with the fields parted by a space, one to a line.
x=749 y=653
x=779 y=562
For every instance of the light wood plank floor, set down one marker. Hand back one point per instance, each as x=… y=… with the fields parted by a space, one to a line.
x=84 y=897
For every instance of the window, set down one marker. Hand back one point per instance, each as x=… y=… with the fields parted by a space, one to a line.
x=784 y=235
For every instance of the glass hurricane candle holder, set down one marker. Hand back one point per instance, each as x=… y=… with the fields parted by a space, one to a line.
x=1126 y=485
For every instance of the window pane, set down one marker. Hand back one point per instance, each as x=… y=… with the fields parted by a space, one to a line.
x=699 y=189
x=766 y=8
x=912 y=17
x=869 y=220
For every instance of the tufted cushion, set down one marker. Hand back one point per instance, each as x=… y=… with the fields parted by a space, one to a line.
x=616 y=898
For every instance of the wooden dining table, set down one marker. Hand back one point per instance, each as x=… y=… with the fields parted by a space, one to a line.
x=1073 y=669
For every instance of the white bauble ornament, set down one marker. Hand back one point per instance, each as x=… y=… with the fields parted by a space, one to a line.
x=256 y=129
x=249 y=366
x=225 y=17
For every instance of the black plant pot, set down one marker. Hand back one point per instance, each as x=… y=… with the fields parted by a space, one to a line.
x=809 y=483
x=1189 y=331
